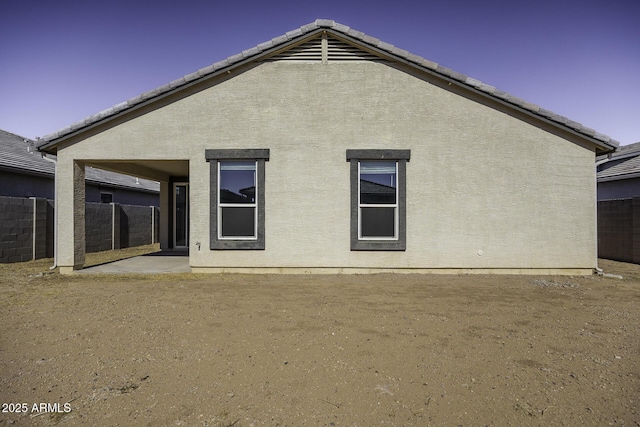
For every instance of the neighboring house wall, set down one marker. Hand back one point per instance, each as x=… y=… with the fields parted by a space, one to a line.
x=619 y=189
x=121 y=195
x=485 y=189
x=134 y=226
x=15 y=184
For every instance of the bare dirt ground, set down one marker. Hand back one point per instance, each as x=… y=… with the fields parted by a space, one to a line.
x=239 y=350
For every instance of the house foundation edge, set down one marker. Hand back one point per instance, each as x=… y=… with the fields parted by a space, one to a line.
x=352 y=270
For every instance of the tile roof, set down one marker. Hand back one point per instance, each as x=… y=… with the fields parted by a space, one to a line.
x=604 y=141
x=623 y=163
x=625 y=150
x=18 y=154
x=369 y=187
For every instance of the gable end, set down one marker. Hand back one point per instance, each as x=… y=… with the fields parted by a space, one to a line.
x=322 y=41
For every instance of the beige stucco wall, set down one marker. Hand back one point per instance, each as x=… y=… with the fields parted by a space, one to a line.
x=479 y=181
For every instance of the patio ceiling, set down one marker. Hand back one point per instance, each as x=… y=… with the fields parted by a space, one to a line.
x=155 y=170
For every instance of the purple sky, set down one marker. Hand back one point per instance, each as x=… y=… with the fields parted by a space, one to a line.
x=61 y=61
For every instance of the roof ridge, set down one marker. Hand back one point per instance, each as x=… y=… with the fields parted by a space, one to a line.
x=306 y=29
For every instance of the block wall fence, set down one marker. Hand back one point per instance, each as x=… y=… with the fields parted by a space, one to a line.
x=619 y=230
x=27 y=227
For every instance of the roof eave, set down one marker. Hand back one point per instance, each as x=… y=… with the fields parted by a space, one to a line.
x=602 y=143
x=207 y=73
x=488 y=92
x=619 y=177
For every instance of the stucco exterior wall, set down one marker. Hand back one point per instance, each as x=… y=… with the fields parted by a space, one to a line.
x=484 y=189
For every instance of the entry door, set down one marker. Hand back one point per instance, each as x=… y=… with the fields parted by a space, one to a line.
x=181 y=215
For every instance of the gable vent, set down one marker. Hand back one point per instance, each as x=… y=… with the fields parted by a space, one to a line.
x=335 y=51
x=310 y=51
x=342 y=51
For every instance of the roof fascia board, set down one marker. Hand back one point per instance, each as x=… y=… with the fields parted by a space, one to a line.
x=624 y=156
x=432 y=69
x=297 y=37
x=178 y=88
x=23 y=171
x=466 y=86
x=619 y=177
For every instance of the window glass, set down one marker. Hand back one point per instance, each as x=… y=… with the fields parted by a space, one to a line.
x=378 y=199
x=237 y=182
x=378 y=182
x=181 y=215
x=377 y=222
x=237 y=192
x=238 y=222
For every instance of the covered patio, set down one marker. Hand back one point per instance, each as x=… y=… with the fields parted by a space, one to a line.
x=173 y=176
x=169 y=261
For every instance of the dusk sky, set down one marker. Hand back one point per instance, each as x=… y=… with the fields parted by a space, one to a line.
x=61 y=61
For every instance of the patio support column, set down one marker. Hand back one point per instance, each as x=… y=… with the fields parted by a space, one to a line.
x=71 y=212
x=164 y=214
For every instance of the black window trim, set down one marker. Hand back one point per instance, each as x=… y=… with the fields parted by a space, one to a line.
x=213 y=156
x=401 y=157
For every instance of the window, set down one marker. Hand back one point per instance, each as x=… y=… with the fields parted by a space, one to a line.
x=106 y=197
x=378 y=199
x=237 y=198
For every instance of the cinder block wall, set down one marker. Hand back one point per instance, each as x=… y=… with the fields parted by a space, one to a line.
x=50 y=236
x=135 y=226
x=98 y=221
x=40 y=217
x=16 y=229
x=619 y=230
x=156 y=224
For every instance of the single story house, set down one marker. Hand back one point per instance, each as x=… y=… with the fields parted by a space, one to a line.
x=618 y=173
x=328 y=150
x=24 y=173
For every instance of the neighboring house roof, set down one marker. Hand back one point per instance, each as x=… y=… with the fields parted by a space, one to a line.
x=369 y=187
x=18 y=154
x=373 y=45
x=624 y=163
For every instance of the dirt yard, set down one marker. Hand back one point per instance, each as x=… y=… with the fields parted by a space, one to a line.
x=239 y=350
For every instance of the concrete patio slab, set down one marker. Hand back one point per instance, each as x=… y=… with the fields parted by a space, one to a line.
x=154 y=263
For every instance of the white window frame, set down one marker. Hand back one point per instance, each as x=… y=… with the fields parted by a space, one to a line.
x=379 y=205
x=239 y=205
